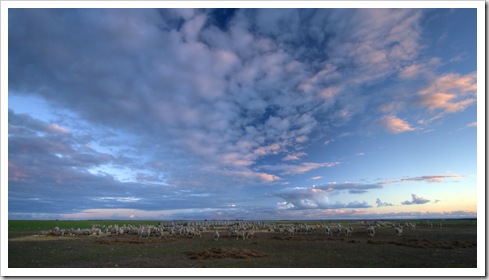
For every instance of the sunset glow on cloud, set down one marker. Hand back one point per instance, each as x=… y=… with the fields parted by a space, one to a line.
x=222 y=114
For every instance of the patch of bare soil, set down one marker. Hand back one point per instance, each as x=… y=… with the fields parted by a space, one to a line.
x=39 y=237
x=306 y=238
x=222 y=253
x=425 y=243
x=124 y=240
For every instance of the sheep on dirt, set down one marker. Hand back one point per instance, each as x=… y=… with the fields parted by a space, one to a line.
x=289 y=230
x=327 y=230
x=195 y=233
x=144 y=232
x=336 y=230
x=371 y=231
x=249 y=234
x=399 y=231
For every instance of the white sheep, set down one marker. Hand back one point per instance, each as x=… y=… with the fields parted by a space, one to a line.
x=234 y=232
x=290 y=230
x=249 y=233
x=216 y=236
x=194 y=233
x=327 y=230
x=348 y=231
x=399 y=231
x=371 y=231
x=144 y=232
x=336 y=230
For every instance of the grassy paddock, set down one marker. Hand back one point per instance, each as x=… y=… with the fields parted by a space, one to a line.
x=453 y=245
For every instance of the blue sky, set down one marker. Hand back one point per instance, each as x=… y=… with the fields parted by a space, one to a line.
x=242 y=113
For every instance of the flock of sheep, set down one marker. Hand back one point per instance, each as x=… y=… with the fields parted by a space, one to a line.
x=236 y=229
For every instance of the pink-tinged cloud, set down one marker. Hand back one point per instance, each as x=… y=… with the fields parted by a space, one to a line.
x=395 y=125
x=294 y=156
x=260 y=176
x=410 y=71
x=289 y=169
x=419 y=69
x=58 y=129
x=429 y=179
x=15 y=173
x=450 y=93
x=472 y=124
x=446 y=102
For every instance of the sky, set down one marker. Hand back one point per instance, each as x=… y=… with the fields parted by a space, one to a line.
x=242 y=113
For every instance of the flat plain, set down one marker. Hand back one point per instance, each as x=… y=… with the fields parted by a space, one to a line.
x=451 y=245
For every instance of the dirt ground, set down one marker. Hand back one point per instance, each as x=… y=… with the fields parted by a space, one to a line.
x=447 y=247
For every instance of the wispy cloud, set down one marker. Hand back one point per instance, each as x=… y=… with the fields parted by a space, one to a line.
x=417 y=69
x=290 y=169
x=450 y=93
x=431 y=179
x=427 y=178
x=294 y=156
x=395 y=125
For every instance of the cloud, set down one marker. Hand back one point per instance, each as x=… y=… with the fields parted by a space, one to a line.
x=416 y=200
x=426 y=178
x=129 y=199
x=472 y=124
x=449 y=93
x=395 y=125
x=417 y=69
x=353 y=188
x=238 y=98
x=294 y=156
x=175 y=100
x=290 y=169
x=19 y=121
x=357 y=204
x=430 y=179
x=316 y=177
x=382 y=204
x=318 y=197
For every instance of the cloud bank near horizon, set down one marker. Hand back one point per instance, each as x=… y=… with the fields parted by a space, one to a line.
x=161 y=107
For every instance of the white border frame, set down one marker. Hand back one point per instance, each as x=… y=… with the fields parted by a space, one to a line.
x=479 y=271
